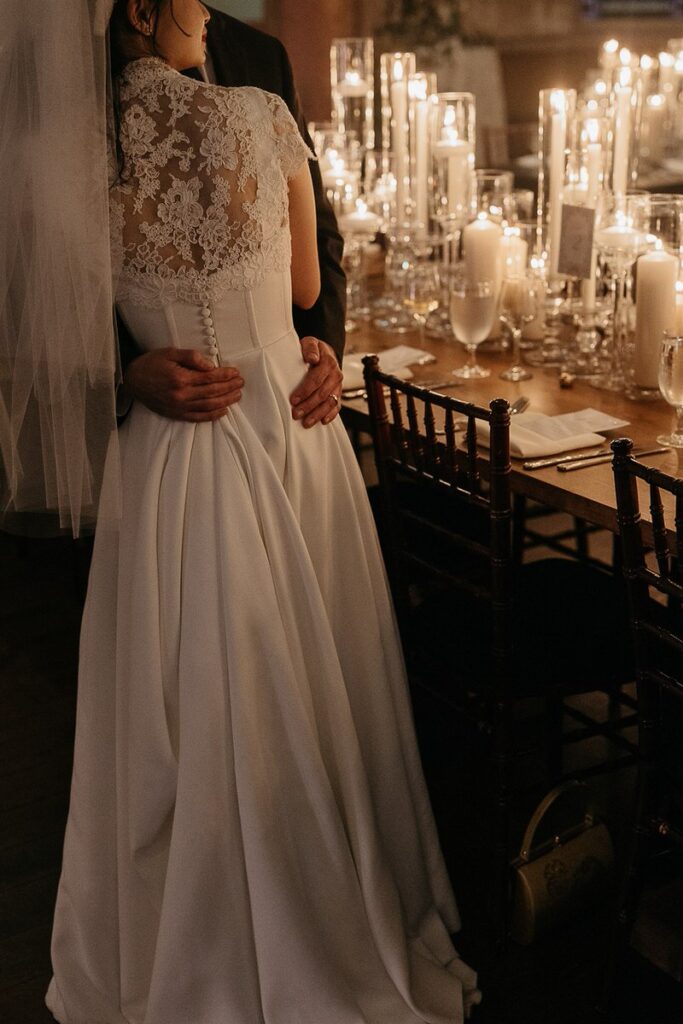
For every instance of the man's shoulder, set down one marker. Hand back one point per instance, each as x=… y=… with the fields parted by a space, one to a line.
x=244 y=36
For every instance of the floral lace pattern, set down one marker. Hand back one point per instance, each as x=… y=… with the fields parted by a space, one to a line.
x=200 y=206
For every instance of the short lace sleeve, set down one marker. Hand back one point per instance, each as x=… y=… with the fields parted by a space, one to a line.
x=292 y=151
x=201 y=204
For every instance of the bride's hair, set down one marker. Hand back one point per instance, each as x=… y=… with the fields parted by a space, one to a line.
x=126 y=41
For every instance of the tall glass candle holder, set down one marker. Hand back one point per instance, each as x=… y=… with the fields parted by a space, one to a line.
x=453 y=140
x=627 y=109
x=556 y=112
x=352 y=75
x=395 y=72
x=422 y=91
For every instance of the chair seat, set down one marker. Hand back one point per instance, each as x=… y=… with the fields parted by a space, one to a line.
x=570 y=633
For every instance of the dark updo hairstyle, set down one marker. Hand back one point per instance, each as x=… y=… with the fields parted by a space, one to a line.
x=123 y=35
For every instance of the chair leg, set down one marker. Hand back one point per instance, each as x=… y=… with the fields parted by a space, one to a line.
x=500 y=890
x=581 y=530
x=554 y=711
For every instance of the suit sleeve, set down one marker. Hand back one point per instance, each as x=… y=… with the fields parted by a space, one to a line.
x=325 y=320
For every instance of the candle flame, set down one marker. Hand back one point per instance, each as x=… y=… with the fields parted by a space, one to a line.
x=656 y=100
x=625 y=77
x=625 y=56
x=361 y=206
x=558 y=101
x=666 y=60
x=593 y=130
x=600 y=87
x=352 y=77
x=398 y=70
x=418 y=87
x=449 y=117
x=611 y=46
x=647 y=62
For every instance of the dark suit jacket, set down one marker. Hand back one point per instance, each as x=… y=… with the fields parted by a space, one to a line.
x=243 y=55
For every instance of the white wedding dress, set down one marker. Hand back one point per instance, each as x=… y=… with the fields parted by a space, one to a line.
x=249 y=840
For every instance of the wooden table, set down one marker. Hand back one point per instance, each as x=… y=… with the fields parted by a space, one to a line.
x=587 y=493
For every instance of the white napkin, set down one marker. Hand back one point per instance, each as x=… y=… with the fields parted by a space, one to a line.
x=534 y=435
x=394 y=360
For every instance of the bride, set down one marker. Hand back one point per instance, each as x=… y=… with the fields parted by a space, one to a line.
x=249 y=836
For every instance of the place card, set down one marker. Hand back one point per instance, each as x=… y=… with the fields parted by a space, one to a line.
x=576 y=241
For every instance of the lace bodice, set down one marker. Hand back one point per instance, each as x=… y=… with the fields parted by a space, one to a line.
x=200 y=205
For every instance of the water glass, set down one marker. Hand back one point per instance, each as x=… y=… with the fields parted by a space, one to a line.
x=473 y=306
x=671 y=385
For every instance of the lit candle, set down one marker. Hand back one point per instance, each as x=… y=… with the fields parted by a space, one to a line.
x=558 y=141
x=353 y=85
x=399 y=135
x=419 y=93
x=667 y=64
x=593 y=170
x=360 y=221
x=481 y=244
x=622 y=138
x=654 y=126
x=655 y=313
x=513 y=254
x=608 y=56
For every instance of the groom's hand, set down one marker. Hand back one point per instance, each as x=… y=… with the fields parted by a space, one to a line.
x=182 y=384
x=313 y=401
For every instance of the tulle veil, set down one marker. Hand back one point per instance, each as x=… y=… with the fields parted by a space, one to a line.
x=58 y=350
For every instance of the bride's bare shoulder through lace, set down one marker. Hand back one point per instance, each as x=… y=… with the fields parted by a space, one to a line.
x=200 y=206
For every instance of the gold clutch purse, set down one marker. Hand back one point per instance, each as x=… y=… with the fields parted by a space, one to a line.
x=566 y=864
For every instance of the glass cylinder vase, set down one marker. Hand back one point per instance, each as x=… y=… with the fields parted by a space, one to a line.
x=395 y=72
x=556 y=112
x=453 y=141
x=353 y=93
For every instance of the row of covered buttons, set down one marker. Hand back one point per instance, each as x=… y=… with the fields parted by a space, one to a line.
x=207 y=320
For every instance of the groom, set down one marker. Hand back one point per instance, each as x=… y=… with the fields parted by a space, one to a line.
x=180 y=383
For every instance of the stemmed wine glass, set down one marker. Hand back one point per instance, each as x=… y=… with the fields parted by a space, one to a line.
x=671 y=385
x=473 y=312
x=421 y=289
x=518 y=306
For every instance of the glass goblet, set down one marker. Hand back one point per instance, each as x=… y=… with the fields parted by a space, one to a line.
x=473 y=312
x=518 y=306
x=671 y=385
x=421 y=291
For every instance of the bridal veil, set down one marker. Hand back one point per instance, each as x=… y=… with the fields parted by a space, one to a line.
x=58 y=352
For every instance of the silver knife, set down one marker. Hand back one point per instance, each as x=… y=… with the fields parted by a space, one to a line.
x=568 y=467
x=556 y=460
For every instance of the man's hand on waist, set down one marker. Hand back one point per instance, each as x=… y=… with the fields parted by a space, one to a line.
x=182 y=384
x=318 y=398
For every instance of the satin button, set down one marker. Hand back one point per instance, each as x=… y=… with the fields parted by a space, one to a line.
x=211 y=331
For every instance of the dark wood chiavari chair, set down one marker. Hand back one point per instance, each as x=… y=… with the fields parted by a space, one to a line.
x=479 y=633
x=657 y=626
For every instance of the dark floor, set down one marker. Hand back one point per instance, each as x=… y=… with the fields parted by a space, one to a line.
x=554 y=981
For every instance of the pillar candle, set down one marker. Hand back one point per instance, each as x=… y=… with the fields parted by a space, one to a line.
x=399 y=137
x=422 y=161
x=458 y=155
x=622 y=138
x=558 y=140
x=655 y=313
x=481 y=244
x=593 y=167
x=513 y=255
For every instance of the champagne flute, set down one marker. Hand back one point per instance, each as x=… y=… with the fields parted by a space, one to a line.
x=671 y=385
x=518 y=306
x=473 y=312
x=421 y=291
